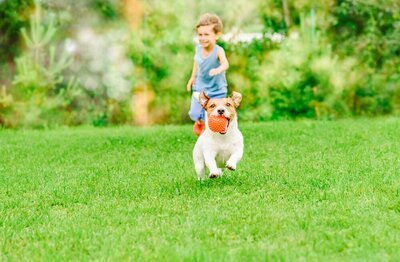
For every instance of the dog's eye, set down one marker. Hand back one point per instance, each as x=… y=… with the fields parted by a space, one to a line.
x=212 y=106
x=228 y=104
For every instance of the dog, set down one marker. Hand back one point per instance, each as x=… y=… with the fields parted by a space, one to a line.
x=219 y=150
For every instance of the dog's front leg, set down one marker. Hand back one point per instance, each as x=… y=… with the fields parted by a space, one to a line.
x=234 y=159
x=209 y=159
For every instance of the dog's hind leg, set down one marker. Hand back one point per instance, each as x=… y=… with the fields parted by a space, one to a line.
x=199 y=165
x=200 y=170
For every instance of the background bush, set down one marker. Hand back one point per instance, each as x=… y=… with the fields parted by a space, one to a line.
x=116 y=62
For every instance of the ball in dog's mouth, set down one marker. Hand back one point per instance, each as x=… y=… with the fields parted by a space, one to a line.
x=219 y=124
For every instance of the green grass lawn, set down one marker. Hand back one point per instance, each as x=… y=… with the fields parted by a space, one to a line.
x=303 y=190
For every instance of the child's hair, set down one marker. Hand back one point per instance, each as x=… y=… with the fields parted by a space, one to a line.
x=210 y=19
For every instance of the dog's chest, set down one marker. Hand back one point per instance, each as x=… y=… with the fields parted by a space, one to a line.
x=223 y=152
x=222 y=157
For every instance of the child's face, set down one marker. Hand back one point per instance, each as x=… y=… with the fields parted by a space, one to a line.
x=206 y=36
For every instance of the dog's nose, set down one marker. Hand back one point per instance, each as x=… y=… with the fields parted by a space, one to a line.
x=221 y=111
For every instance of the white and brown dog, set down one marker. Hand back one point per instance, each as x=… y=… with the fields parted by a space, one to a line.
x=219 y=150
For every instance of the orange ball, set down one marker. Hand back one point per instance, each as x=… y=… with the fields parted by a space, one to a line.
x=218 y=124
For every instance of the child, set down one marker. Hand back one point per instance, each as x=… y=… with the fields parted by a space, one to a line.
x=209 y=68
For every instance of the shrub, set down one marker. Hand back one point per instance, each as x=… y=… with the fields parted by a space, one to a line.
x=41 y=95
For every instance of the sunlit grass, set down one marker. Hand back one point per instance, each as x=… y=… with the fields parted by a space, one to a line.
x=312 y=190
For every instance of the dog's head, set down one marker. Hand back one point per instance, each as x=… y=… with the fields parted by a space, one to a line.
x=225 y=107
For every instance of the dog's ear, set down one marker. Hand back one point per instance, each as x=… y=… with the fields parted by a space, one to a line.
x=237 y=98
x=203 y=99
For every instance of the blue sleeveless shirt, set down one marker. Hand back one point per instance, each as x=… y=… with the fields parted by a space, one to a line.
x=212 y=85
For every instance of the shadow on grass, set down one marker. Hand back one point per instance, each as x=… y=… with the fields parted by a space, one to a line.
x=229 y=178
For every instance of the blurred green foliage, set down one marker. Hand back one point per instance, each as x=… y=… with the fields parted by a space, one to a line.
x=337 y=59
x=327 y=67
x=14 y=16
x=40 y=92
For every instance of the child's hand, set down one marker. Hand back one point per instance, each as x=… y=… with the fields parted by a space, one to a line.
x=190 y=84
x=214 y=71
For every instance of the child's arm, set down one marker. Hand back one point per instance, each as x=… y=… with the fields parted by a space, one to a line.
x=192 y=78
x=223 y=61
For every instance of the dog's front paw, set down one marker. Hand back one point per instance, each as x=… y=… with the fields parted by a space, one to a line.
x=213 y=175
x=231 y=166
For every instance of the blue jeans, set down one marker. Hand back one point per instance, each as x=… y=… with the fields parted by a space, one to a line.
x=196 y=112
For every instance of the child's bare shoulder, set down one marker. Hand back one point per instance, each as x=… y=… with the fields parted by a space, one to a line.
x=220 y=50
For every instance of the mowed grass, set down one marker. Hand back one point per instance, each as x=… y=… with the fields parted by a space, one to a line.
x=307 y=190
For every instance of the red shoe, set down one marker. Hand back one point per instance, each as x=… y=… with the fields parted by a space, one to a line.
x=198 y=127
